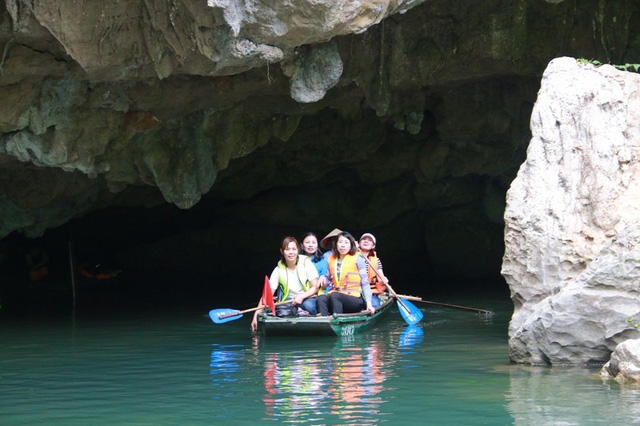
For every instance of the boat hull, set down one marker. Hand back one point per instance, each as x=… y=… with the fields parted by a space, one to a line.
x=334 y=325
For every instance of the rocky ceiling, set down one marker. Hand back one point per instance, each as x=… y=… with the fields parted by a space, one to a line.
x=181 y=138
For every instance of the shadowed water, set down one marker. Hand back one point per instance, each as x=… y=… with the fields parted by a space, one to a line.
x=178 y=368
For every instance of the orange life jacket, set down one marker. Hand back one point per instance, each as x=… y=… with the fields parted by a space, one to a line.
x=349 y=281
x=377 y=286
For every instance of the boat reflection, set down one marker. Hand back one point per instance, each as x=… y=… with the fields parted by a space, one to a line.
x=343 y=384
x=358 y=380
x=316 y=380
x=293 y=386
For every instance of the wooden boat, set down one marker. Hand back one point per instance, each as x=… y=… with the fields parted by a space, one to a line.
x=336 y=324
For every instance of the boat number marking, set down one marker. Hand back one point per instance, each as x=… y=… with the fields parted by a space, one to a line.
x=348 y=330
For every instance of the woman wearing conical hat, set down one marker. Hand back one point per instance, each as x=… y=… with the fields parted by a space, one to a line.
x=351 y=291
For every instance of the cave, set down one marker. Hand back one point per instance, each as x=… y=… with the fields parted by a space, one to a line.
x=159 y=159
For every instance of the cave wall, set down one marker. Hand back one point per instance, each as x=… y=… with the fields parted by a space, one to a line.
x=405 y=118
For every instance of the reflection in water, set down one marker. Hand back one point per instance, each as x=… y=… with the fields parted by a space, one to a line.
x=225 y=368
x=411 y=336
x=293 y=385
x=175 y=370
x=356 y=382
x=315 y=380
x=345 y=383
x=572 y=396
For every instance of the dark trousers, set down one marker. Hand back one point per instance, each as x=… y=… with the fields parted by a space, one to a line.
x=339 y=303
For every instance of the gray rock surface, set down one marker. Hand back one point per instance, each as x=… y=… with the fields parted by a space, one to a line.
x=624 y=365
x=571 y=222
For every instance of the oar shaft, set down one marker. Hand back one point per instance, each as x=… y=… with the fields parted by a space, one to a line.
x=466 y=308
x=391 y=291
x=394 y=294
x=233 y=314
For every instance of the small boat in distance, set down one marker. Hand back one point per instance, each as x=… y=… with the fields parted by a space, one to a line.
x=333 y=325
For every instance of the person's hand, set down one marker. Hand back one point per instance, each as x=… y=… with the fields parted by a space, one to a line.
x=371 y=309
x=297 y=300
x=322 y=282
x=254 y=322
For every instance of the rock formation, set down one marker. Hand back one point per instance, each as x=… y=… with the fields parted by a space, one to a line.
x=255 y=118
x=624 y=365
x=572 y=259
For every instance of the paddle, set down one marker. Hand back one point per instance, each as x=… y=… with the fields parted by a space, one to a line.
x=448 y=305
x=408 y=310
x=223 y=315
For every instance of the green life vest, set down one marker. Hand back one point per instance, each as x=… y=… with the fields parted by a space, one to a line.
x=301 y=270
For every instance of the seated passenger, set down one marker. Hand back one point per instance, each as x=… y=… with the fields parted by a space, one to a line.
x=294 y=278
x=377 y=279
x=310 y=249
x=328 y=240
x=348 y=275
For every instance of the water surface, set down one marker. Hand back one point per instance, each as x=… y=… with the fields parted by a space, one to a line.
x=178 y=368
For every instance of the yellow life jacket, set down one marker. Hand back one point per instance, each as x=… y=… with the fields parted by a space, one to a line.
x=301 y=270
x=349 y=281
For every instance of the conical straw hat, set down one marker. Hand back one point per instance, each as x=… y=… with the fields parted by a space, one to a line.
x=326 y=241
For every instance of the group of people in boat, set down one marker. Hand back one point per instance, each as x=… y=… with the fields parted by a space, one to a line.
x=348 y=277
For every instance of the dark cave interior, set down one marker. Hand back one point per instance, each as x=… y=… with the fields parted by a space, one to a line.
x=118 y=256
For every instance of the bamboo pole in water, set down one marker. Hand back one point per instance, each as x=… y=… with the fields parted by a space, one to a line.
x=72 y=266
x=466 y=308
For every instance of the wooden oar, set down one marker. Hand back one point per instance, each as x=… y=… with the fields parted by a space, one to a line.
x=448 y=305
x=411 y=313
x=223 y=315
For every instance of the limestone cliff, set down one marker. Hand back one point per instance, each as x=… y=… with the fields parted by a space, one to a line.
x=405 y=117
x=572 y=258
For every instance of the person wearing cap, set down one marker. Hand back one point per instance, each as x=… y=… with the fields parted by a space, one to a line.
x=378 y=280
x=351 y=290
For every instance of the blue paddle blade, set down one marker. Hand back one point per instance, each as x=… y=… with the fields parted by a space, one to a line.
x=220 y=316
x=409 y=311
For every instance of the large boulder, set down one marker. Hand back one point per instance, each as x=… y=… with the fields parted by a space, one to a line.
x=624 y=365
x=571 y=222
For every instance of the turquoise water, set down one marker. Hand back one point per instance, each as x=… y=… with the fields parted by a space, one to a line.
x=178 y=368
